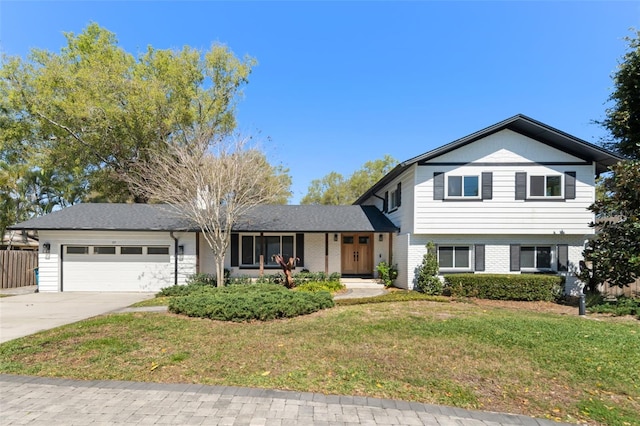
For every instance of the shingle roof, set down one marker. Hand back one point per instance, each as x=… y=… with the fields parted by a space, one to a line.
x=521 y=124
x=158 y=217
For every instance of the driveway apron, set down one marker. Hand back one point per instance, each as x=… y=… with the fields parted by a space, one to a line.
x=26 y=314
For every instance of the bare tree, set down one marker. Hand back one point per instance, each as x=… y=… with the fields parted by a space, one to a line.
x=210 y=182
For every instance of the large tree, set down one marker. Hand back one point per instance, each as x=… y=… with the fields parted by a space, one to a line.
x=615 y=251
x=212 y=182
x=334 y=189
x=92 y=111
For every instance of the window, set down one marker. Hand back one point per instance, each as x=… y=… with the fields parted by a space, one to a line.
x=268 y=246
x=130 y=250
x=454 y=257
x=463 y=186
x=394 y=199
x=545 y=186
x=104 y=250
x=77 y=250
x=157 y=250
x=535 y=257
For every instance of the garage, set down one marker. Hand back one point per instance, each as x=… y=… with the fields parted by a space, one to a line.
x=115 y=267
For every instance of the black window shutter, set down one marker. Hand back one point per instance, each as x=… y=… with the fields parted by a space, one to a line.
x=235 y=249
x=563 y=257
x=438 y=185
x=300 y=249
x=521 y=186
x=399 y=194
x=514 y=258
x=570 y=185
x=479 y=255
x=385 y=203
x=487 y=185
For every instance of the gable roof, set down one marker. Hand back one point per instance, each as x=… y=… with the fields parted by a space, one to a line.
x=160 y=217
x=520 y=124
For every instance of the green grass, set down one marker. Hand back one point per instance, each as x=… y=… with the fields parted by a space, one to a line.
x=546 y=365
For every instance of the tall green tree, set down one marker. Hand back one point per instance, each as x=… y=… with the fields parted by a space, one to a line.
x=615 y=251
x=93 y=110
x=334 y=189
x=623 y=116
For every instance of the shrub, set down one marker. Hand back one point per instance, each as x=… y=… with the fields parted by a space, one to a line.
x=427 y=279
x=183 y=290
x=530 y=287
x=387 y=274
x=313 y=286
x=261 y=302
x=623 y=305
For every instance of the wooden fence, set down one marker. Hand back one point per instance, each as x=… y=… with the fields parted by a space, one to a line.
x=17 y=268
x=632 y=290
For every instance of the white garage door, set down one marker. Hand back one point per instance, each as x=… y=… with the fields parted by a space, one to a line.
x=116 y=268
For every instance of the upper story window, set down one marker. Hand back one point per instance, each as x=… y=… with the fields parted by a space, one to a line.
x=393 y=199
x=463 y=186
x=545 y=186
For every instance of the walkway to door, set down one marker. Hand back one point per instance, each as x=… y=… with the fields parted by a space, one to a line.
x=360 y=287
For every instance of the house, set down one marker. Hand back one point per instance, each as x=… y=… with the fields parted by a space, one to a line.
x=145 y=247
x=510 y=198
x=19 y=240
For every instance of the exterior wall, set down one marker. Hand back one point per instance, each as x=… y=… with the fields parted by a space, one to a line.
x=159 y=274
x=403 y=216
x=497 y=254
x=504 y=154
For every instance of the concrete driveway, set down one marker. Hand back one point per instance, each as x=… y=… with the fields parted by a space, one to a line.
x=26 y=314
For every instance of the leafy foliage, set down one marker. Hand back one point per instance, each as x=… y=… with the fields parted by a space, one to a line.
x=623 y=305
x=261 y=302
x=427 y=279
x=315 y=286
x=334 y=189
x=615 y=251
x=528 y=287
x=623 y=118
x=387 y=274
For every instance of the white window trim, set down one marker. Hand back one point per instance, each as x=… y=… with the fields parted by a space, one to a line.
x=462 y=197
x=545 y=197
x=552 y=260
x=471 y=259
x=393 y=199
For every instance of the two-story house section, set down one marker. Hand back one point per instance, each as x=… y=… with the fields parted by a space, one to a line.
x=511 y=198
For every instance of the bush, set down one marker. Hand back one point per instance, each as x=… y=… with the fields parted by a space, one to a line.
x=427 y=279
x=300 y=278
x=530 y=287
x=387 y=274
x=623 y=305
x=313 y=286
x=261 y=302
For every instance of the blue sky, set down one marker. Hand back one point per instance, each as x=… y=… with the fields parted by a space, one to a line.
x=341 y=83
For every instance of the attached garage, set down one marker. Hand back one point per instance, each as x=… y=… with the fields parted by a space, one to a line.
x=115 y=267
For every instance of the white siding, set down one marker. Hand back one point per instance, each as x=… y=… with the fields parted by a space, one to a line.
x=121 y=273
x=507 y=153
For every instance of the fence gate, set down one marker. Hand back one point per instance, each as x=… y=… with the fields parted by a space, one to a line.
x=17 y=268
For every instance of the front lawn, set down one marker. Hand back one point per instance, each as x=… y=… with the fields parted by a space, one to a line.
x=462 y=354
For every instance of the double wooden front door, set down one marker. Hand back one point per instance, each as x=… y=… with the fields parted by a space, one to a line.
x=357 y=254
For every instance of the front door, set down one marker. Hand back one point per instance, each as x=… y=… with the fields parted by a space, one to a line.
x=357 y=254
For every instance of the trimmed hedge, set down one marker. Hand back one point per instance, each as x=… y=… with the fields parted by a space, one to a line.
x=529 y=287
x=261 y=302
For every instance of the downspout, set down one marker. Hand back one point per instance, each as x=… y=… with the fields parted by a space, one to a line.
x=175 y=256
